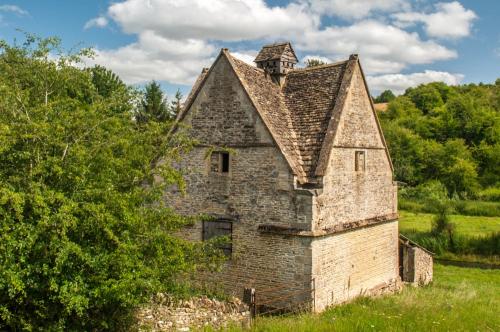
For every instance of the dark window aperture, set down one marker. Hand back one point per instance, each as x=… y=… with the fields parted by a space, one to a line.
x=224 y=162
x=359 y=161
x=217 y=228
x=219 y=162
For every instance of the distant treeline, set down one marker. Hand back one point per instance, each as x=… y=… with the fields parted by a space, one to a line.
x=447 y=135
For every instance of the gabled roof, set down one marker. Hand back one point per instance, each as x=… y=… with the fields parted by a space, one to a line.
x=275 y=52
x=302 y=115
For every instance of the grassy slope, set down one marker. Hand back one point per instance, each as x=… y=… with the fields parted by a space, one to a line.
x=460 y=299
x=465 y=225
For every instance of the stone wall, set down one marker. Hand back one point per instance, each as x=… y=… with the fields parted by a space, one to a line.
x=349 y=195
x=354 y=263
x=258 y=189
x=417 y=264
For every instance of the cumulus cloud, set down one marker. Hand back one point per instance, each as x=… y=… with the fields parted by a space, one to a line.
x=96 y=22
x=225 y=20
x=246 y=56
x=356 y=9
x=156 y=57
x=175 y=39
x=13 y=9
x=383 y=48
x=450 y=20
x=398 y=83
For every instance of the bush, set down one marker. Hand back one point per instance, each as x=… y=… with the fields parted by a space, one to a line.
x=83 y=237
x=490 y=194
x=477 y=208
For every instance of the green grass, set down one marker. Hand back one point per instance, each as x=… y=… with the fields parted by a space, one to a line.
x=410 y=222
x=476 y=239
x=459 y=207
x=459 y=299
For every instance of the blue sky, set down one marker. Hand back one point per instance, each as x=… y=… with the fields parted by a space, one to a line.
x=401 y=43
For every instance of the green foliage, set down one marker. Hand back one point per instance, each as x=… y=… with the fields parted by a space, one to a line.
x=153 y=105
x=490 y=194
x=445 y=133
x=83 y=237
x=385 y=97
x=314 y=63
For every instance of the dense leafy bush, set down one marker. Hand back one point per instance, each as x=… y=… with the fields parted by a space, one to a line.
x=83 y=239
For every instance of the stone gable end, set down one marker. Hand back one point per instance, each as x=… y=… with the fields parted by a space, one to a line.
x=358 y=126
x=222 y=114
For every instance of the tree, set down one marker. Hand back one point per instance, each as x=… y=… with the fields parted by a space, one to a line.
x=105 y=81
x=154 y=105
x=84 y=237
x=176 y=104
x=385 y=97
x=312 y=62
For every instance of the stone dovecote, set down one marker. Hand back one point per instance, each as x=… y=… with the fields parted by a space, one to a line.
x=308 y=188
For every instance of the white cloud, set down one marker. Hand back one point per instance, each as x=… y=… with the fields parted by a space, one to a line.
x=225 y=20
x=451 y=20
x=175 y=39
x=383 y=48
x=246 y=56
x=356 y=9
x=13 y=9
x=97 y=22
x=155 y=57
x=398 y=83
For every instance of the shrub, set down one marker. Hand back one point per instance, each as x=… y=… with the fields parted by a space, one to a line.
x=490 y=194
x=84 y=238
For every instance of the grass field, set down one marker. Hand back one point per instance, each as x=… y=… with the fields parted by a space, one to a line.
x=459 y=299
x=465 y=225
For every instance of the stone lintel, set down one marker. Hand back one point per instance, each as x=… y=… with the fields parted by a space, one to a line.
x=340 y=228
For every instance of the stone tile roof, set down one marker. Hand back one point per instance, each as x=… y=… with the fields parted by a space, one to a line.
x=302 y=115
x=310 y=96
x=274 y=51
x=298 y=113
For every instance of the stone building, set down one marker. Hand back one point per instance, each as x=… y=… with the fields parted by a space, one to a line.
x=306 y=192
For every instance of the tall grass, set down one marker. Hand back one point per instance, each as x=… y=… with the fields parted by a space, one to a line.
x=459 y=299
x=467 y=208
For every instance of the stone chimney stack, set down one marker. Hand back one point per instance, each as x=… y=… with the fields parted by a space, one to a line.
x=277 y=59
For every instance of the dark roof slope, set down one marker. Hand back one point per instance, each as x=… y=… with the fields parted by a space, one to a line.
x=310 y=96
x=275 y=51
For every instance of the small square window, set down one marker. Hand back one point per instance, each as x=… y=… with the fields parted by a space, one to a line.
x=359 y=161
x=219 y=162
x=218 y=228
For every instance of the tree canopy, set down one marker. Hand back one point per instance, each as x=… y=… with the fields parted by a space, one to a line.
x=446 y=133
x=312 y=62
x=84 y=235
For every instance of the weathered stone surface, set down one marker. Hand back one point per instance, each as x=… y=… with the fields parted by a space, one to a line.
x=417 y=263
x=165 y=314
x=335 y=233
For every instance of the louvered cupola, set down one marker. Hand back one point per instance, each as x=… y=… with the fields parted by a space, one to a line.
x=277 y=59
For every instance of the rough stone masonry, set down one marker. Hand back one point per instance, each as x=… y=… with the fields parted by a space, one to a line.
x=306 y=193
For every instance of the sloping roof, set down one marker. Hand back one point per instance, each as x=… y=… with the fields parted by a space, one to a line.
x=310 y=96
x=302 y=115
x=275 y=51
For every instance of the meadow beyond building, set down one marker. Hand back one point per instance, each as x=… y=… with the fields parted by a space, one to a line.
x=306 y=192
